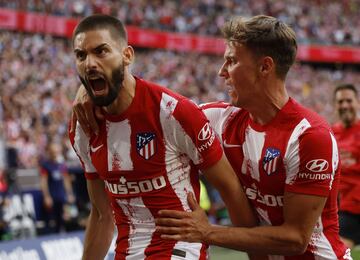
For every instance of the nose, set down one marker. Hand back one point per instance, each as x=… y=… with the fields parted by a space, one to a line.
x=223 y=71
x=344 y=104
x=90 y=63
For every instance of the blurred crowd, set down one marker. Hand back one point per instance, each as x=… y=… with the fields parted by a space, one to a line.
x=38 y=83
x=314 y=21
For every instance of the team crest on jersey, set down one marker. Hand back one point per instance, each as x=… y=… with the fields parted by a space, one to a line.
x=270 y=160
x=146 y=145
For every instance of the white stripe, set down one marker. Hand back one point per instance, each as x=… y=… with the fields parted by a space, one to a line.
x=82 y=148
x=322 y=247
x=192 y=250
x=146 y=148
x=252 y=147
x=178 y=167
x=218 y=118
x=152 y=147
x=335 y=158
x=274 y=163
x=292 y=152
x=119 y=144
x=265 y=219
x=142 y=226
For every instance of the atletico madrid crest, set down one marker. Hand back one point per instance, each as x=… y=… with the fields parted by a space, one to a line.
x=270 y=160
x=146 y=145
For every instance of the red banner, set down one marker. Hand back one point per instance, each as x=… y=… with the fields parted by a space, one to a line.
x=63 y=26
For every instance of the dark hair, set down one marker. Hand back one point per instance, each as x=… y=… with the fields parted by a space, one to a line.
x=264 y=36
x=345 y=87
x=100 y=21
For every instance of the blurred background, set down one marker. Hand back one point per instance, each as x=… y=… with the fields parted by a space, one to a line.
x=178 y=45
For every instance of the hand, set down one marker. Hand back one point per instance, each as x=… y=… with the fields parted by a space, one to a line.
x=84 y=111
x=185 y=226
x=71 y=198
x=48 y=202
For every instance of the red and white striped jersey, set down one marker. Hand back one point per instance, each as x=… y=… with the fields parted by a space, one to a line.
x=295 y=152
x=149 y=157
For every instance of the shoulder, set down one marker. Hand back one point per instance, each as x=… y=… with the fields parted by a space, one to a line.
x=357 y=124
x=337 y=127
x=219 y=109
x=153 y=92
x=300 y=114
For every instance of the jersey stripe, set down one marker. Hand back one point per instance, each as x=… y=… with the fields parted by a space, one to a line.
x=178 y=171
x=253 y=153
x=293 y=145
x=218 y=117
x=81 y=144
x=139 y=235
x=192 y=250
x=335 y=158
x=119 y=146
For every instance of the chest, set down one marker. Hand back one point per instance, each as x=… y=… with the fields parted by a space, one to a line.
x=257 y=157
x=128 y=146
x=349 y=140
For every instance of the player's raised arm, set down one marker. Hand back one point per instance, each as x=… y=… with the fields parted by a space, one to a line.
x=100 y=226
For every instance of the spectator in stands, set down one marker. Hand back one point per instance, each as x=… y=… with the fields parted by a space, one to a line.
x=56 y=187
x=347 y=133
x=206 y=17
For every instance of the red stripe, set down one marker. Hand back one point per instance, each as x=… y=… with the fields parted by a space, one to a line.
x=203 y=252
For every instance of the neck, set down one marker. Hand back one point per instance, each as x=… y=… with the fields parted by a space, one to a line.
x=269 y=103
x=348 y=124
x=125 y=96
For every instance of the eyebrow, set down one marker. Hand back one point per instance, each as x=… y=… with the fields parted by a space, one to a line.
x=96 y=48
x=229 y=56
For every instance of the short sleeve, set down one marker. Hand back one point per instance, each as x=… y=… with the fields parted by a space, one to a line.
x=80 y=144
x=312 y=162
x=188 y=129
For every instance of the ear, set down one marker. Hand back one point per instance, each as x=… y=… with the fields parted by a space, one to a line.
x=267 y=65
x=128 y=55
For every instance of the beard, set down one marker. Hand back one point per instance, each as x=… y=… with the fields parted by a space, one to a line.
x=347 y=116
x=114 y=85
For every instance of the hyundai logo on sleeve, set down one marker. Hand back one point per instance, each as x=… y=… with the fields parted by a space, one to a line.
x=205 y=132
x=317 y=165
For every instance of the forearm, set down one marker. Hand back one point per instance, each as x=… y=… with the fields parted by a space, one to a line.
x=98 y=236
x=239 y=209
x=273 y=240
x=68 y=186
x=44 y=186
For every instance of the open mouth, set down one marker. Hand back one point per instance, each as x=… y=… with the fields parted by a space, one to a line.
x=98 y=86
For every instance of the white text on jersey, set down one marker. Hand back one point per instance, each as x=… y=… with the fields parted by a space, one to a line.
x=135 y=187
x=267 y=199
x=206 y=145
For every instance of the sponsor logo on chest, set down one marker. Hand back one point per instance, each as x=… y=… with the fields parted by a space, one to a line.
x=124 y=187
